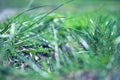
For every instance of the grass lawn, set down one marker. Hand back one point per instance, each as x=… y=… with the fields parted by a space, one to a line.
x=64 y=41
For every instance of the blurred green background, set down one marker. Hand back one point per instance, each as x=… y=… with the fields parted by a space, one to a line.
x=75 y=6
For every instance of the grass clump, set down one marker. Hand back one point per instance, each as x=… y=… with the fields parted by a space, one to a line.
x=52 y=46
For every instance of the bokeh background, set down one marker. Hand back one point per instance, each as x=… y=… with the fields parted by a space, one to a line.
x=76 y=5
x=9 y=7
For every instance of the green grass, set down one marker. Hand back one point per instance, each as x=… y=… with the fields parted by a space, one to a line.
x=71 y=46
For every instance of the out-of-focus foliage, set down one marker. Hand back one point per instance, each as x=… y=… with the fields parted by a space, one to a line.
x=66 y=45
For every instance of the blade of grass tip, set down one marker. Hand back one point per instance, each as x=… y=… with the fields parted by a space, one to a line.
x=48 y=14
x=6 y=28
x=29 y=4
x=54 y=10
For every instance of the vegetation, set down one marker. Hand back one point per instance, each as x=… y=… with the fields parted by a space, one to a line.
x=52 y=45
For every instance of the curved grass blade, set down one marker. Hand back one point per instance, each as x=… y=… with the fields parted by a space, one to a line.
x=7 y=26
x=47 y=14
x=30 y=10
